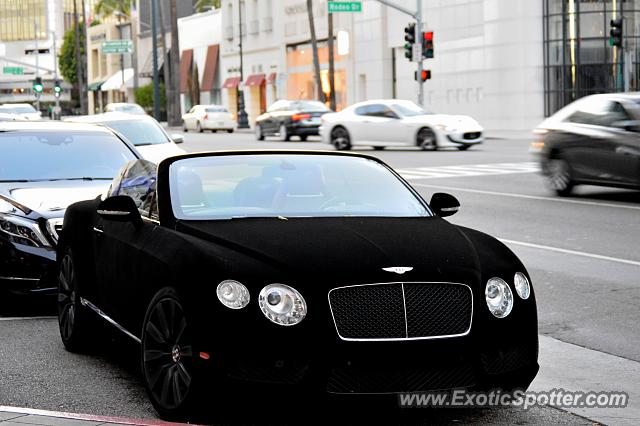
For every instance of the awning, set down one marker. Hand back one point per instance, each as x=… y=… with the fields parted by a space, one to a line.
x=271 y=79
x=115 y=81
x=254 y=80
x=185 y=69
x=147 y=69
x=94 y=87
x=210 y=68
x=231 y=83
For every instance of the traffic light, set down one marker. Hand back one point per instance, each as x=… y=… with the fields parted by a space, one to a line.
x=425 y=75
x=427 y=44
x=57 y=89
x=615 y=33
x=37 y=85
x=410 y=39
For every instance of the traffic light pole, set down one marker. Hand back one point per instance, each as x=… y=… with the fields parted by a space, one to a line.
x=55 y=77
x=417 y=15
x=35 y=24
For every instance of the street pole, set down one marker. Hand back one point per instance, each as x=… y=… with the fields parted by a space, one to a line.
x=79 y=73
x=35 y=24
x=83 y=60
x=332 y=79
x=421 y=38
x=156 y=86
x=243 y=120
x=122 y=56
x=55 y=74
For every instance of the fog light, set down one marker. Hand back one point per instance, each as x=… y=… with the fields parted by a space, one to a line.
x=282 y=304
x=233 y=294
x=521 y=283
x=499 y=297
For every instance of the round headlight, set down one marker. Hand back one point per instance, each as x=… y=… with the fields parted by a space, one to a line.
x=282 y=304
x=233 y=294
x=521 y=283
x=499 y=297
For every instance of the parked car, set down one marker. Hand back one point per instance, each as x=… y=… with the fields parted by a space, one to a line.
x=144 y=132
x=26 y=111
x=285 y=119
x=312 y=272
x=9 y=116
x=393 y=122
x=208 y=117
x=44 y=167
x=128 y=108
x=594 y=140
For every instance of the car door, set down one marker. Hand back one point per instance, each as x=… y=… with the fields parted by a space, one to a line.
x=382 y=126
x=119 y=246
x=190 y=119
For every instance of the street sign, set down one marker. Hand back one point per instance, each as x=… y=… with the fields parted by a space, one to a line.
x=13 y=70
x=344 y=6
x=117 y=46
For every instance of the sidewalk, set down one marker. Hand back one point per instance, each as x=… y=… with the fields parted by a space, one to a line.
x=13 y=416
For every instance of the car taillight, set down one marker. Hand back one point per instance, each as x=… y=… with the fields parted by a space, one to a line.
x=206 y=117
x=298 y=117
x=233 y=116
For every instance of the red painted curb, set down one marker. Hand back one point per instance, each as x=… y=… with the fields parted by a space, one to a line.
x=88 y=417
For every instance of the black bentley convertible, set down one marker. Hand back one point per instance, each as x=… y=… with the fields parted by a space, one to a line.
x=318 y=271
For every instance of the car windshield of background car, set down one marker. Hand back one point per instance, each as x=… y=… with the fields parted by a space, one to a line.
x=35 y=156
x=274 y=185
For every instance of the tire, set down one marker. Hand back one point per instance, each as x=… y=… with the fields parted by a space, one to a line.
x=76 y=323
x=229 y=130
x=303 y=138
x=378 y=148
x=259 y=134
x=199 y=128
x=340 y=139
x=284 y=135
x=464 y=147
x=560 y=177
x=184 y=127
x=168 y=359
x=426 y=139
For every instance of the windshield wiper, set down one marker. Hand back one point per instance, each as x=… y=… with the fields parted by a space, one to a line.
x=143 y=144
x=73 y=178
x=14 y=180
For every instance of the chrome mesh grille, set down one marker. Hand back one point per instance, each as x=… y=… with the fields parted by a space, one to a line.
x=401 y=311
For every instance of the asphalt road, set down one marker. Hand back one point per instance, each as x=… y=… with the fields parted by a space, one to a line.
x=582 y=252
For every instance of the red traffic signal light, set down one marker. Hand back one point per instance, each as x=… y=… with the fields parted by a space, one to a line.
x=428 y=36
x=424 y=75
x=427 y=44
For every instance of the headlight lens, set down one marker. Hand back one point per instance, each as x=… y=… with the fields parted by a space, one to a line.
x=233 y=294
x=445 y=128
x=282 y=304
x=521 y=283
x=499 y=297
x=22 y=231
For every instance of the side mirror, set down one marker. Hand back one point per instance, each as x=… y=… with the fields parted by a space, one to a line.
x=444 y=204
x=628 y=125
x=120 y=208
x=177 y=138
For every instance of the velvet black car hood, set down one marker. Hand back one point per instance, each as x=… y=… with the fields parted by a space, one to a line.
x=353 y=250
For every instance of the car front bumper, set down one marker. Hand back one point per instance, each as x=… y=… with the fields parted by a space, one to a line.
x=468 y=138
x=25 y=269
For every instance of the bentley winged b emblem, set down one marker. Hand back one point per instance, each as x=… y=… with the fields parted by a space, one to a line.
x=398 y=269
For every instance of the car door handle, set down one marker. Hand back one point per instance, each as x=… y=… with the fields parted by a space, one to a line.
x=627 y=151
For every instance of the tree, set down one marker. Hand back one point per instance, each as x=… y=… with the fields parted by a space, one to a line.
x=173 y=90
x=67 y=57
x=204 y=5
x=144 y=97
x=107 y=8
x=314 y=47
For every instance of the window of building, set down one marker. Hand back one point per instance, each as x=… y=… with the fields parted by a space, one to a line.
x=23 y=20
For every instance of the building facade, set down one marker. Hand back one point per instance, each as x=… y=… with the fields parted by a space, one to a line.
x=30 y=32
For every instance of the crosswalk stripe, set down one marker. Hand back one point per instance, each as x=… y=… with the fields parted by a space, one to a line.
x=468 y=170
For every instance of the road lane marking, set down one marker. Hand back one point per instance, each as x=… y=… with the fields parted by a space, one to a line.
x=530 y=197
x=27 y=318
x=35 y=416
x=415 y=173
x=573 y=252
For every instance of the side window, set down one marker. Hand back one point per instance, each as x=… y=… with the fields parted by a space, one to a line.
x=192 y=110
x=599 y=113
x=615 y=112
x=137 y=180
x=361 y=110
x=379 y=110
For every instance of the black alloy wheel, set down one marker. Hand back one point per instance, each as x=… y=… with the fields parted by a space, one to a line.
x=426 y=139
x=303 y=138
x=284 y=135
x=340 y=139
x=560 y=176
x=72 y=316
x=168 y=359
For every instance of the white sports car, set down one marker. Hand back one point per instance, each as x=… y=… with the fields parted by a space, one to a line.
x=395 y=122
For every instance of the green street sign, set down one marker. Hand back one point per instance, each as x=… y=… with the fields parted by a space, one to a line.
x=344 y=6
x=117 y=46
x=13 y=70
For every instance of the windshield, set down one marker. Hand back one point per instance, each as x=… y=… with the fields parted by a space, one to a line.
x=310 y=106
x=130 y=108
x=18 y=109
x=216 y=109
x=408 y=109
x=139 y=132
x=274 y=185
x=56 y=155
